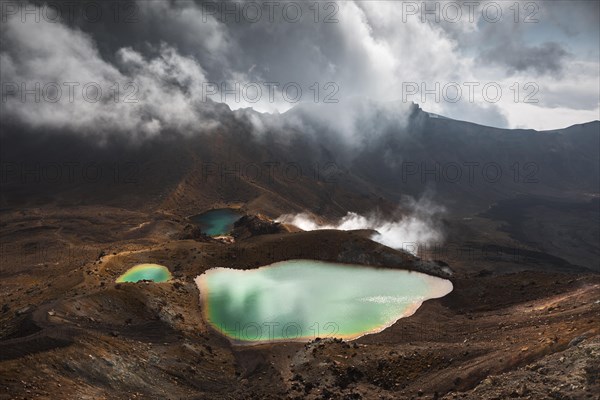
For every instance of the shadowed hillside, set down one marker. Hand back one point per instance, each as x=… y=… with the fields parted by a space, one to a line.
x=466 y=166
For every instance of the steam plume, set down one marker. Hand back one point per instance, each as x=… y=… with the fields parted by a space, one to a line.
x=405 y=232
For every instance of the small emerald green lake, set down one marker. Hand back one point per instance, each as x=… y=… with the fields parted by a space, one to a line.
x=299 y=300
x=217 y=222
x=146 y=272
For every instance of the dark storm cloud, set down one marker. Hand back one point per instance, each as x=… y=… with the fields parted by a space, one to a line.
x=137 y=94
x=574 y=18
x=546 y=58
x=539 y=38
x=173 y=47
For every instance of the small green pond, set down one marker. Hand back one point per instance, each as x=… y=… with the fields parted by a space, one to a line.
x=147 y=272
x=304 y=299
x=217 y=222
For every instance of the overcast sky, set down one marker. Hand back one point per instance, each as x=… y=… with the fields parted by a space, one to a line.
x=542 y=55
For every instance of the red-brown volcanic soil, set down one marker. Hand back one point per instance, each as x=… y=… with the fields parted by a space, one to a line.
x=524 y=326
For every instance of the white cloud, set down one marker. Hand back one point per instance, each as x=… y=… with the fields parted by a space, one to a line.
x=153 y=94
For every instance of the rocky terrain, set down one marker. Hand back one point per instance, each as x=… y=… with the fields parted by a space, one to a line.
x=68 y=331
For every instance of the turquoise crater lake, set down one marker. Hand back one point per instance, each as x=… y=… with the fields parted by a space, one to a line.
x=216 y=222
x=298 y=300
